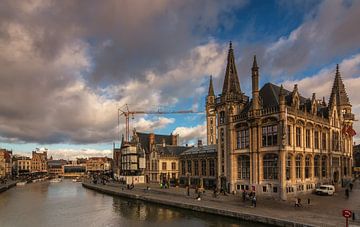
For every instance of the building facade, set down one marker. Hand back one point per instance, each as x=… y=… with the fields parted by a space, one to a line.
x=55 y=167
x=164 y=163
x=356 y=155
x=279 y=143
x=99 y=164
x=198 y=166
x=39 y=162
x=5 y=163
x=23 y=165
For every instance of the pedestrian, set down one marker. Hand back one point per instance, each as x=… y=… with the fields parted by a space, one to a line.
x=308 y=201
x=243 y=195
x=297 y=202
x=351 y=186
x=347 y=193
x=188 y=190
x=254 y=201
x=215 y=192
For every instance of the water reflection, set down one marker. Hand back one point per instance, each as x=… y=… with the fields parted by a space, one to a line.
x=69 y=204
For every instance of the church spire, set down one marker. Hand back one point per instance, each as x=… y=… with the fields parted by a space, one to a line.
x=231 y=82
x=338 y=93
x=211 y=88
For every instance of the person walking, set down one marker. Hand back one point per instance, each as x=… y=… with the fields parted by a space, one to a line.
x=347 y=193
x=243 y=195
x=254 y=201
x=351 y=186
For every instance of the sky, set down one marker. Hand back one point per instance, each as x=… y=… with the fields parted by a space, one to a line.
x=66 y=67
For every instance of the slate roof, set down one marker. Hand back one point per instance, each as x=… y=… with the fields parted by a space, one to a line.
x=171 y=149
x=200 y=150
x=145 y=140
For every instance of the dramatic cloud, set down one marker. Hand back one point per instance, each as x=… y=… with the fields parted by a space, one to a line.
x=328 y=32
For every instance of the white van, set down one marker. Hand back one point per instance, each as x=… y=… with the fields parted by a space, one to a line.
x=325 y=190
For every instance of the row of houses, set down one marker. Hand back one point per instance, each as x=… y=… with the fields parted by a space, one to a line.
x=155 y=158
x=39 y=163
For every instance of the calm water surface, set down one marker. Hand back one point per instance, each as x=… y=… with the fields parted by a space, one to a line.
x=69 y=204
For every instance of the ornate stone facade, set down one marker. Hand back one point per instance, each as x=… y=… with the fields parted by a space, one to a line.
x=279 y=143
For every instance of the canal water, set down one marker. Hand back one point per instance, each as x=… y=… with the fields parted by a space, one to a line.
x=69 y=204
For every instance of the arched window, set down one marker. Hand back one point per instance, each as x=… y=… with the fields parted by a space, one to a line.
x=244 y=167
x=288 y=167
x=298 y=166
x=323 y=166
x=307 y=167
x=270 y=166
x=222 y=117
x=317 y=166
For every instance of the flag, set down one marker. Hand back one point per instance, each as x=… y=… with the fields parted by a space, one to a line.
x=345 y=130
x=350 y=131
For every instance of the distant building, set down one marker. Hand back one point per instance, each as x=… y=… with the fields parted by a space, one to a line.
x=198 y=166
x=74 y=170
x=39 y=162
x=99 y=164
x=23 y=165
x=116 y=162
x=55 y=167
x=5 y=163
x=356 y=156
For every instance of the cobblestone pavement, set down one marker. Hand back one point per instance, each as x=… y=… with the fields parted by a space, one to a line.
x=322 y=211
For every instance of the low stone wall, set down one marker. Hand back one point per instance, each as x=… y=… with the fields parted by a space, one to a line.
x=196 y=207
x=7 y=186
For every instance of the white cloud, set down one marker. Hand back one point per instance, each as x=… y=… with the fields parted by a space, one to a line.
x=190 y=135
x=143 y=124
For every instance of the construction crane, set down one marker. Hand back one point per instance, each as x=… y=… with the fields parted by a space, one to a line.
x=127 y=113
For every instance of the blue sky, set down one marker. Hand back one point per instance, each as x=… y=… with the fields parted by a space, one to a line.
x=65 y=72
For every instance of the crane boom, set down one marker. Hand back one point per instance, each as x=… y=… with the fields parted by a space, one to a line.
x=127 y=113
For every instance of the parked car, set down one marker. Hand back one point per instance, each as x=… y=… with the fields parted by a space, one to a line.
x=325 y=190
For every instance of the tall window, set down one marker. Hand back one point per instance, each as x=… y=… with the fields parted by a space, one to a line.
x=307 y=138
x=222 y=135
x=270 y=166
x=183 y=167
x=269 y=135
x=203 y=167
x=288 y=167
x=288 y=134
x=307 y=167
x=298 y=136
x=173 y=166
x=212 y=167
x=164 y=166
x=316 y=139
x=242 y=138
x=317 y=166
x=323 y=166
x=298 y=166
x=196 y=167
x=189 y=166
x=335 y=141
x=244 y=167
x=222 y=117
x=323 y=140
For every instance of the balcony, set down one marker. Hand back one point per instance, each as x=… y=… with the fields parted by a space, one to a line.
x=349 y=116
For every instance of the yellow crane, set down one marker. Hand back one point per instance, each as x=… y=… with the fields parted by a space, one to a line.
x=127 y=113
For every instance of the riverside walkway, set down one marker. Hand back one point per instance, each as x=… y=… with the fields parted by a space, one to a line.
x=7 y=185
x=322 y=211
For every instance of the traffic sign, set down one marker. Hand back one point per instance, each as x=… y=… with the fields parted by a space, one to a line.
x=347 y=213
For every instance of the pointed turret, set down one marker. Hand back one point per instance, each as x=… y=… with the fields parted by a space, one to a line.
x=255 y=85
x=231 y=82
x=338 y=94
x=211 y=88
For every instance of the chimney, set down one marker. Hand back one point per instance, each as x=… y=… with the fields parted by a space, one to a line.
x=174 y=139
x=199 y=143
x=163 y=142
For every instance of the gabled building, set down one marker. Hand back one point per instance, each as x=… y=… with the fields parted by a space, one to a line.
x=39 y=162
x=5 y=163
x=277 y=142
x=99 y=164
